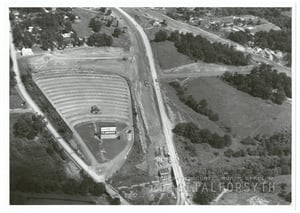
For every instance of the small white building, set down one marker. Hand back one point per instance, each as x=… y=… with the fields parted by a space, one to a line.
x=157 y=24
x=26 y=51
x=108 y=132
x=67 y=35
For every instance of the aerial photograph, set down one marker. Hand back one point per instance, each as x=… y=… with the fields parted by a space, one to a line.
x=150 y=105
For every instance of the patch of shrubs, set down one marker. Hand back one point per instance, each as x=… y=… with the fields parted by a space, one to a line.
x=200 y=107
x=198 y=47
x=262 y=82
x=192 y=132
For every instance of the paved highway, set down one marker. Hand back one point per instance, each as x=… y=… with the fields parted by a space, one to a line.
x=167 y=126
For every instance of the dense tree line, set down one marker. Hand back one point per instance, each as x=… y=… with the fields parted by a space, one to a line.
x=12 y=74
x=204 y=194
x=240 y=37
x=37 y=166
x=262 y=82
x=28 y=126
x=200 y=107
x=95 y=24
x=44 y=104
x=47 y=29
x=58 y=183
x=276 y=147
x=198 y=47
x=161 y=35
x=274 y=40
x=192 y=132
x=99 y=40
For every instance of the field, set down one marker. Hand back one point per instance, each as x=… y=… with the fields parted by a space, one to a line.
x=58 y=199
x=167 y=56
x=246 y=115
x=15 y=101
x=109 y=148
x=82 y=28
x=235 y=198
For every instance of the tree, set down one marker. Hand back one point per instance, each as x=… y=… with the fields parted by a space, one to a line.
x=279 y=97
x=115 y=201
x=99 y=39
x=108 y=12
x=12 y=79
x=262 y=82
x=68 y=27
x=117 y=32
x=161 y=35
x=102 y=9
x=95 y=25
x=97 y=189
x=204 y=196
x=228 y=153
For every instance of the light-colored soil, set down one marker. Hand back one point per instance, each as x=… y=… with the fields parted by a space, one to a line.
x=203 y=69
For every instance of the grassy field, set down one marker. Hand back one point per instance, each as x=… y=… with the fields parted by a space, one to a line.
x=244 y=114
x=15 y=100
x=235 y=198
x=167 y=56
x=82 y=28
x=57 y=199
x=129 y=173
x=106 y=150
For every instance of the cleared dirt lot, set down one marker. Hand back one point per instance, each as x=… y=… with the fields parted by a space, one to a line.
x=102 y=59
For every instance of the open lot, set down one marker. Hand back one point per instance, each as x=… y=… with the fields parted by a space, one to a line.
x=82 y=26
x=167 y=55
x=15 y=101
x=246 y=115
